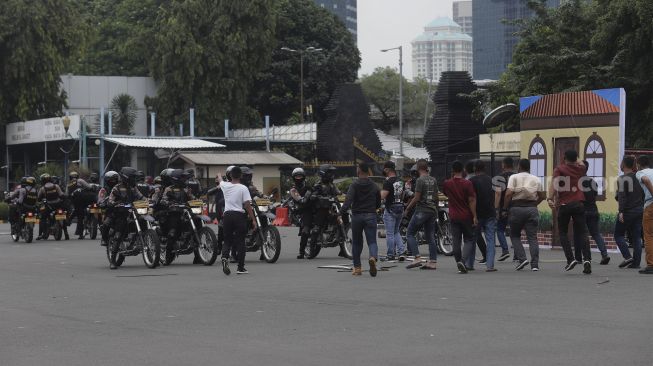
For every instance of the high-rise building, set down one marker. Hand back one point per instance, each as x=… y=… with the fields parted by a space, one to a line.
x=494 y=38
x=462 y=14
x=346 y=10
x=442 y=47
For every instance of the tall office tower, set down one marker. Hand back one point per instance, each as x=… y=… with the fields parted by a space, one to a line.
x=346 y=10
x=442 y=47
x=462 y=14
x=494 y=40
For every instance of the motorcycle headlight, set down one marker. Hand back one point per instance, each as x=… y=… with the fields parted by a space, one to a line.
x=142 y=211
x=196 y=210
x=441 y=204
x=263 y=208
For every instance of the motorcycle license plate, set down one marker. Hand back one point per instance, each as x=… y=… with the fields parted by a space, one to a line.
x=94 y=210
x=31 y=219
x=59 y=217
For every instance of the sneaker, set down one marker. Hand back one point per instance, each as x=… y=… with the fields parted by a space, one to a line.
x=461 y=267
x=113 y=266
x=605 y=260
x=372 y=263
x=357 y=271
x=633 y=266
x=482 y=261
x=571 y=265
x=522 y=264
x=415 y=264
x=535 y=269
x=491 y=270
x=626 y=263
x=390 y=258
x=241 y=270
x=225 y=266
x=503 y=257
x=587 y=267
x=102 y=243
x=300 y=256
x=647 y=270
x=402 y=258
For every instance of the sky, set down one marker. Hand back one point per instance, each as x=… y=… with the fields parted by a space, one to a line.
x=392 y=23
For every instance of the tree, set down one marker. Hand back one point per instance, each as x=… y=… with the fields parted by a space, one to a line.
x=302 y=24
x=123 y=109
x=206 y=55
x=382 y=91
x=36 y=39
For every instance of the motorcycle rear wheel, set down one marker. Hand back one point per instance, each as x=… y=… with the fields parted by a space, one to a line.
x=28 y=233
x=150 y=248
x=207 y=246
x=112 y=255
x=271 y=246
x=445 y=239
x=346 y=244
x=58 y=231
x=313 y=251
x=92 y=227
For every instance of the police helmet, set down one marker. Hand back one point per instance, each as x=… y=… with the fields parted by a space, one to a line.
x=111 y=178
x=326 y=172
x=45 y=178
x=129 y=175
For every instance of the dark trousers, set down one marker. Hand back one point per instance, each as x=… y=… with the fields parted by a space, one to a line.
x=480 y=242
x=633 y=226
x=305 y=229
x=363 y=223
x=592 y=219
x=234 y=225
x=574 y=211
x=462 y=232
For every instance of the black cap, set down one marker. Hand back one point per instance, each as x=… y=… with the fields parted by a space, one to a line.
x=389 y=165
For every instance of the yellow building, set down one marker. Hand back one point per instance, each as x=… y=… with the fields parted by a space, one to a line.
x=590 y=122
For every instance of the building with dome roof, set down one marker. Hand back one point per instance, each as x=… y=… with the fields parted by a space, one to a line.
x=442 y=47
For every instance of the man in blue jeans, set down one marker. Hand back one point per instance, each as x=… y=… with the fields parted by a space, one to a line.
x=425 y=202
x=487 y=222
x=630 y=196
x=500 y=188
x=364 y=198
x=393 y=196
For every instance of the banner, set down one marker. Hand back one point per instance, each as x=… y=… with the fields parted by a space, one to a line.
x=49 y=129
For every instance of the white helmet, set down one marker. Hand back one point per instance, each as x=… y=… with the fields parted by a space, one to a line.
x=298 y=171
x=228 y=172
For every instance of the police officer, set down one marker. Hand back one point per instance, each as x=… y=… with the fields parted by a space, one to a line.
x=193 y=184
x=111 y=178
x=66 y=204
x=23 y=199
x=219 y=206
x=300 y=193
x=79 y=191
x=156 y=186
x=53 y=196
x=319 y=198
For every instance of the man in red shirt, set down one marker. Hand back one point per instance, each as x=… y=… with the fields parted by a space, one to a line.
x=566 y=193
x=462 y=212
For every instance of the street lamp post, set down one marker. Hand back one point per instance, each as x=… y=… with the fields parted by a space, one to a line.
x=401 y=97
x=301 y=73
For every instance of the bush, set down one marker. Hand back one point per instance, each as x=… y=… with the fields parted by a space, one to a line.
x=606 y=222
x=4 y=211
x=546 y=221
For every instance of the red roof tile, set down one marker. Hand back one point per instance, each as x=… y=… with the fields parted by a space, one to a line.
x=582 y=103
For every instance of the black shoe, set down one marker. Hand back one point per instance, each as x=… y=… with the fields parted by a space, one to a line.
x=605 y=260
x=81 y=237
x=647 y=270
x=225 y=266
x=39 y=237
x=626 y=263
x=197 y=260
x=66 y=236
x=261 y=257
x=342 y=254
x=482 y=261
x=103 y=243
x=522 y=264
x=587 y=267
x=461 y=267
x=571 y=265
x=633 y=266
x=242 y=270
x=503 y=257
x=113 y=266
x=300 y=256
x=390 y=258
x=402 y=258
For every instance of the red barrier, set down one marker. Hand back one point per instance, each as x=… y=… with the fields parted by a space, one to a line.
x=282 y=218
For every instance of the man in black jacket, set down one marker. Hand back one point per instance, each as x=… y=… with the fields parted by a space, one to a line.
x=630 y=196
x=364 y=198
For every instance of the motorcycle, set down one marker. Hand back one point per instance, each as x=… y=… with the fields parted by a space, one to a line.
x=54 y=222
x=195 y=237
x=443 y=237
x=92 y=220
x=265 y=237
x=24 y=228
x=293 y=211
x=132 y=235
x=336 y=233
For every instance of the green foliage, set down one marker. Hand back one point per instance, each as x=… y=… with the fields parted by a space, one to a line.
x=53 y=169
x=123 y=109
x=302 y=24
x=382 y=91
x=206 y=54
x=584 y=45
x=4 y=211
x=546 y=221
x=36 y=39
x=344 y=185
x=606 y=222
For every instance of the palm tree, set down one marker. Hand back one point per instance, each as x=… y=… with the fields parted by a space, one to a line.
x=123 y=108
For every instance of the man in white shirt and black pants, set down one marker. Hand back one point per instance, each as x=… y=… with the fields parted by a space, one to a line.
x=234 y=224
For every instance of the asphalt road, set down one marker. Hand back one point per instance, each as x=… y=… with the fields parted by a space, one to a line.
x=61 y=305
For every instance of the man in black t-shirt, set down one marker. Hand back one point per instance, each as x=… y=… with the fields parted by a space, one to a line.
x=500 y=188
x=487 y=222
x=392 y=194
x=590 y=190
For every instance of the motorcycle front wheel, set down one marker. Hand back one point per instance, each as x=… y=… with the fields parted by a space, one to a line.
x=207 y=246
x=113 y=247
x=58 y=231
x=271 y=245
x=92 y=227
x=28 y=233
x=313 y=249
x=345 y=242
x=445 y=239
x=151 y=248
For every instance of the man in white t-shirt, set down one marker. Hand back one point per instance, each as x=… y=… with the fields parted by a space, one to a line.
x=234 y=224
x=524 y=194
